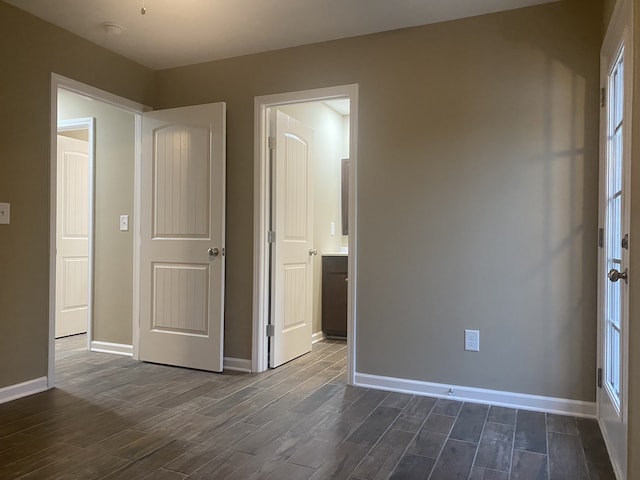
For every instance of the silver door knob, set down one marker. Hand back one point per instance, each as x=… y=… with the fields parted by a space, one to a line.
x=614 y=275
x=213 y=252
x=313 y=251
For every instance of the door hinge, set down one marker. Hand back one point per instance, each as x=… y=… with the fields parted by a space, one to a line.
x=272 y=143
x=271 y=236
x=603 y=97
x=599 y=378
x=601 y=237
x=625 y=241
x=271 y=330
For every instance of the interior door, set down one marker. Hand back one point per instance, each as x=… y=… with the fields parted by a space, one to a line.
x=292 y=248
x=72 y=237
x=614 y=258
x=182 y=237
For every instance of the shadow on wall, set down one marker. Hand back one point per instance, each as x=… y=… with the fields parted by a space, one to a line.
x=563 y=270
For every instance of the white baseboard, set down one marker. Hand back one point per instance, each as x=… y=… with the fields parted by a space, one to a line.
x=525 y=401
x=317 y=337
x=237 y=364
x=24 y=389
x=114 y=348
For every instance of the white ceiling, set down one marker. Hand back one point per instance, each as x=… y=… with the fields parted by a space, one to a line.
x=181 y=32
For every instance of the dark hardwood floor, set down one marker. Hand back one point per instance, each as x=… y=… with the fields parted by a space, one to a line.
x=114 y=418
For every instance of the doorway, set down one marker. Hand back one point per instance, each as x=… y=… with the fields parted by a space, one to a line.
x=298 y=105
x=110 y=226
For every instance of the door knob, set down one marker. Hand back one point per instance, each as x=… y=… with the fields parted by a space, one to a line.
x=614 y=275
x=213 y=252
x=313 y=251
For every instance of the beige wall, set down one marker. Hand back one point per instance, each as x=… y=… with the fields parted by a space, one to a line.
x=477 y=188
x=113 y=261
x=634 y=286
x=29 y=51
x=326 y=157
x=478 y=148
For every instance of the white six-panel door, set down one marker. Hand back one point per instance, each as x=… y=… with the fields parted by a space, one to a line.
x=292 y=262
x=182 y=237
x=72 y=236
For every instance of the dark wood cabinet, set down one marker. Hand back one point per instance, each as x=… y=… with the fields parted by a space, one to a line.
x=334 y=295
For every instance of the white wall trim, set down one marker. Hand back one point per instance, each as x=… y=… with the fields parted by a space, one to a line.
x=237 y=364
x=137 y=238
x=261 y=215
x=561 y=406
x=102 y=95
x=24 y=389
x=114 y=348
x=317 y=337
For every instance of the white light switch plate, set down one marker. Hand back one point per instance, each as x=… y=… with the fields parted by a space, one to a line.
x=124 y=223
x=5 y=213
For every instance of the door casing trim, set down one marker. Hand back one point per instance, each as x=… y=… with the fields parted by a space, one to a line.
x=262 y=203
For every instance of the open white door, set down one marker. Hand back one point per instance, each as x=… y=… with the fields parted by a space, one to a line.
x=292 y=250
x=182 y=237
x=72 y=237
x=614 y=254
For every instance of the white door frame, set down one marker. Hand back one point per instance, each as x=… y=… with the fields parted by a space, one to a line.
x=88 y=123
x=620 y=30
x=60 y=82
x=262 y=202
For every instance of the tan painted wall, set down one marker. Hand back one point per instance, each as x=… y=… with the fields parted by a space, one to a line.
x=77 y=134
x=327 y=155
x=30 y=50
x=478 y=144
x=634 y=286
x=478 y=148
x=113 y=267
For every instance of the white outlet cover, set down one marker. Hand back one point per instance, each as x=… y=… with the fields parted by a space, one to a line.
x=472 y=340
x=5 y=213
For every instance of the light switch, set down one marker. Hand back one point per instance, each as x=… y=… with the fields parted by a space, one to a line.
x=5 y=210
x=124 y=223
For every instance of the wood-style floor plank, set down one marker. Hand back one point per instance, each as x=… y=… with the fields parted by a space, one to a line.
x=112 y=418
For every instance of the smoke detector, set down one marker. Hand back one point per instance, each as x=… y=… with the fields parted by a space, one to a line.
x=112 y=28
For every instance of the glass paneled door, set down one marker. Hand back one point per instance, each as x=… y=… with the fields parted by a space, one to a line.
x=616 y=239
x=614 y=258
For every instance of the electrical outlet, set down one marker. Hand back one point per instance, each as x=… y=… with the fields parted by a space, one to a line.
x=472 y=340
